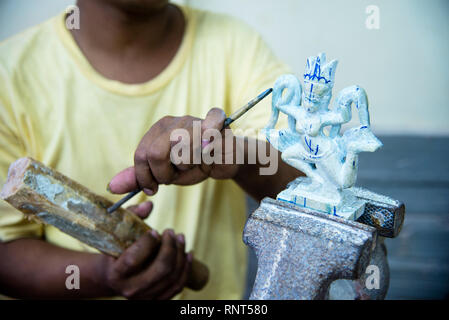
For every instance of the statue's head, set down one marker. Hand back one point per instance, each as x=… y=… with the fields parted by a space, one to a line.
x=318 y=82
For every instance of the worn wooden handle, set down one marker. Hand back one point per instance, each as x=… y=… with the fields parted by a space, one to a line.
x=48 y=196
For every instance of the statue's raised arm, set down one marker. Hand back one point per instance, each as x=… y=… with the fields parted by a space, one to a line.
x=353 y=95
x=286 y=98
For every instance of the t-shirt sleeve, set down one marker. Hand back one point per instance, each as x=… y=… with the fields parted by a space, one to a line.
x=254 y=68
x=13 y=224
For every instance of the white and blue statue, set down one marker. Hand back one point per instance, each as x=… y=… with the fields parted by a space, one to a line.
x=313 y=143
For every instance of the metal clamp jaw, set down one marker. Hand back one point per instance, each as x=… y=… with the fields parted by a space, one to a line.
x=304 y=254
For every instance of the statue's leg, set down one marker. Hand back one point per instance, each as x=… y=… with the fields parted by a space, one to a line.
x=342 y=172
x=348 y=172
x=359 y=139
x=291 y=157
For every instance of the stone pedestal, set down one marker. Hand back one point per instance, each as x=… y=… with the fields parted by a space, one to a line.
x=326 y=199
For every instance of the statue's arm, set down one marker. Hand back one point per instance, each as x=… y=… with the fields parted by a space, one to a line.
x=290 y=110
x=273 y=119
x=336 y=117
x=286 y=103
x=341 y=112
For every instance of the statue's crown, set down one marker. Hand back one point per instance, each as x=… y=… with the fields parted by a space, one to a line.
x=319 y=71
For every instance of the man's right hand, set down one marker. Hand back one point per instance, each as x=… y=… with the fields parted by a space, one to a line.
x=154 y=267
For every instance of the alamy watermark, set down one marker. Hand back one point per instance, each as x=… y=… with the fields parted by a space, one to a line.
x=72 y=20
x=372 y=21
x=373 y=279
x=72 y=282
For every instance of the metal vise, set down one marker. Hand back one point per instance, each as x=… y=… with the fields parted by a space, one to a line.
x=301 y=252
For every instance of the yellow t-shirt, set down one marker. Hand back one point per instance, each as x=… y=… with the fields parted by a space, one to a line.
x=57 y=109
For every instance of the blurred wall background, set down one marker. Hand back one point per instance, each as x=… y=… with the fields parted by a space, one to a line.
x=402 y=65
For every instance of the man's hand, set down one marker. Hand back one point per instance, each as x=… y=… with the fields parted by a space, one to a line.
x=142 y=210
x=153 y=165
x=154 y=267
x=152 y=160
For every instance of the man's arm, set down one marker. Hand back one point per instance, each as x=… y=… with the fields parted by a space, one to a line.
x=32 y=268
x=259 y=186
x=154 y=267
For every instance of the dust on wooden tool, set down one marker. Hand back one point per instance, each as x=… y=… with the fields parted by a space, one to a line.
x=47 y=196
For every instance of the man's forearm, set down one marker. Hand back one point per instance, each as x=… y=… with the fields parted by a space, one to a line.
x=257 y=185
x=31 y=268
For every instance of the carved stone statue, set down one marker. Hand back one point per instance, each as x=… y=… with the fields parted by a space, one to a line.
x=303 y=250
x=313 y=143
